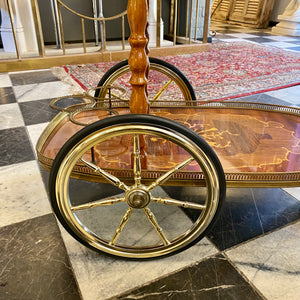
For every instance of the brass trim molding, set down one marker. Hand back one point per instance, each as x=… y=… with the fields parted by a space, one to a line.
x=279 y=180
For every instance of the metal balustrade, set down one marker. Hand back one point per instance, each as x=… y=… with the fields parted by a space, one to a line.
x=42 y=59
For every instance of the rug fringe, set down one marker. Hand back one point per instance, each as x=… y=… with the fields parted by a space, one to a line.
x=65 y=77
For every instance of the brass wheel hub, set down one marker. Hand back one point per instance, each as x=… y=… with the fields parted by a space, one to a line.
x=137 y=198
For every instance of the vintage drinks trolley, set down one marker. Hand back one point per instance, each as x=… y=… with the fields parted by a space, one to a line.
x=111 y=161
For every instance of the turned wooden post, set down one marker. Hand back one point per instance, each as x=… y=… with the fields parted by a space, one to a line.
x=137 y=11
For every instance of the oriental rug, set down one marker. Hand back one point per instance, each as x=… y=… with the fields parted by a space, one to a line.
x=226 y=71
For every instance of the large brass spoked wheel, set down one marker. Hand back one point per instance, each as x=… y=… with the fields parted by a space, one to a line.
x=114 y=200
x=165 y=82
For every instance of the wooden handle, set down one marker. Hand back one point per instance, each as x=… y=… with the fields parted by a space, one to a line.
x=138 y=60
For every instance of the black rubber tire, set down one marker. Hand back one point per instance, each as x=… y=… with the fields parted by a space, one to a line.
x=141 y=120
x=153 y=61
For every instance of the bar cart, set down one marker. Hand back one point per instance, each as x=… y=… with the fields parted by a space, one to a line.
x=110 y=159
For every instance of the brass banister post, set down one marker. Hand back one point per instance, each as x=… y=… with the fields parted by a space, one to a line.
x=13 y=27
x=38 y=27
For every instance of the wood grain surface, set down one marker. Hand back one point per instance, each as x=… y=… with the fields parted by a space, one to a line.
x=247 y=141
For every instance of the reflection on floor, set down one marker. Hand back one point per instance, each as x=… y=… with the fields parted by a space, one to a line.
x=253 y=251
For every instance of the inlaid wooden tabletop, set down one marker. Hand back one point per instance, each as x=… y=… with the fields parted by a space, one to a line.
x=257 y=145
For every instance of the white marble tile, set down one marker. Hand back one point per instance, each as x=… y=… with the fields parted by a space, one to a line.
x=11 y=116
x=34 y=132
x=100 y=276
x=22 y=193
x=232 y=40
x=292 y=50
x=46 y=90
x=5 y=80
x=295 y=192
x=279 y=44
x=281 y=38
x=272 y=263
x=28 y=71
x=291 y=94
x=241 y=35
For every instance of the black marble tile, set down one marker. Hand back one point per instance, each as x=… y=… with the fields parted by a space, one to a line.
x=15 y=146
x=260 y=40
x=35 y=112
x=263 y=98
x=246 y=213
x=213 y=278
x=34 y=263
x=32 y=77
x=7 y=95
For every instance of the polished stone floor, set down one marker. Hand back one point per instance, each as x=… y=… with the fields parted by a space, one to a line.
x=252 y=252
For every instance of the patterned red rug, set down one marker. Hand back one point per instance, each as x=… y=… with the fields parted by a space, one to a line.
x=227 y=71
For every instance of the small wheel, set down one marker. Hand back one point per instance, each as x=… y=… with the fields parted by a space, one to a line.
x=135 y=217
x=165 y=81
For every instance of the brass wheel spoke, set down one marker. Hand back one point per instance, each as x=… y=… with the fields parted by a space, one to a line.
x=111 y=178
x=102 y=202
x=137 y=161
x=184 y=204
x=167 y=175
x=154 y=223
x=157 y=96
x=122 y=224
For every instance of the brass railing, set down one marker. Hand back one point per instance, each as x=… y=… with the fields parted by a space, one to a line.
x=103 y=21
x=43 y=60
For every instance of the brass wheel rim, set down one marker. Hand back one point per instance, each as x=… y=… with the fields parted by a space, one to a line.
x=173 y=77
x=136 y=196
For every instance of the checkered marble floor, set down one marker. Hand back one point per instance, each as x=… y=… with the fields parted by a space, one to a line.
x=228 y=32
x=253 y=251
